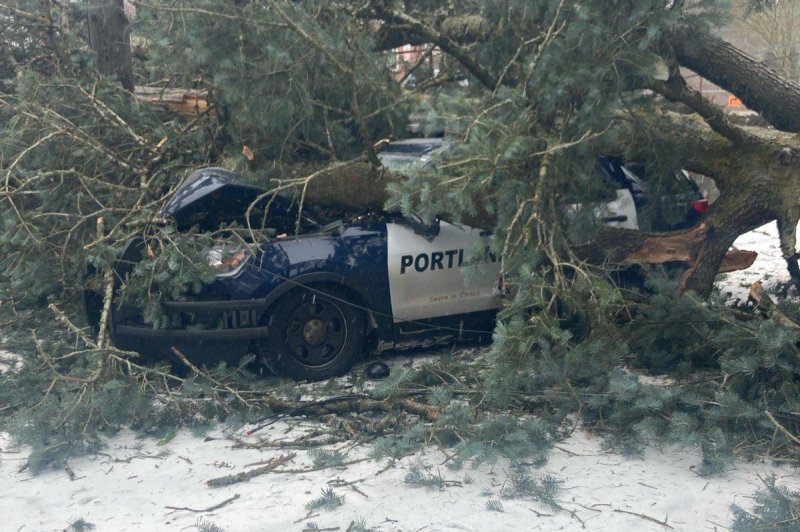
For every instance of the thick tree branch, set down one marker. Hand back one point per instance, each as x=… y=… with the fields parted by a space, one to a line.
x=461 y=29
x=675 y=89
x=759 y=86
x=431 y=35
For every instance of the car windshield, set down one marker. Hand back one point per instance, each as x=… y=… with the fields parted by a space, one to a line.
x=416 y=147
x=411 y=155
x=401 y=163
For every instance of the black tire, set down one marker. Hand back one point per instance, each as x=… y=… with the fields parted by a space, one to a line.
x=315 y=334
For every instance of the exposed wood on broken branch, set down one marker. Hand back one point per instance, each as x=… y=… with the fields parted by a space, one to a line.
x=765 y=303
x=632 y=247
x=185 y=102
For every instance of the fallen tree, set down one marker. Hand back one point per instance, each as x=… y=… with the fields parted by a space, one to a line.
x=532 y=94
x=756 y=170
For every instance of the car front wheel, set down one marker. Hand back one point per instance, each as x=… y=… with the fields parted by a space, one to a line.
x=315 y=334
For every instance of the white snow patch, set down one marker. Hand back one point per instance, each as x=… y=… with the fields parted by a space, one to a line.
x=136 y=485
x=9 y=361
x=769 y=267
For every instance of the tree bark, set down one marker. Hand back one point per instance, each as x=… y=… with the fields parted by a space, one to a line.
x=760 y=87
x=758 y=172
x=758 y=176
x=110 y=40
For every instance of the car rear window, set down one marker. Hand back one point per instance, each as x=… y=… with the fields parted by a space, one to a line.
x=660 y=180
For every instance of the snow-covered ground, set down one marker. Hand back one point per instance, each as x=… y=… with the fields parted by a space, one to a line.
x=139 y=485
x=145 y=485
x=769 y=267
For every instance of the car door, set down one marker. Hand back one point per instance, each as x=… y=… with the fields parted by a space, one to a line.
x=448 y=274
x=619 y=212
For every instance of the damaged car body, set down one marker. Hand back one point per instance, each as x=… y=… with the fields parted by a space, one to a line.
x=308 y=291
x=308 y=303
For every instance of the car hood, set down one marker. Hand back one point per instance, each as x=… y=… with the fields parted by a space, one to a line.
x=208 y=198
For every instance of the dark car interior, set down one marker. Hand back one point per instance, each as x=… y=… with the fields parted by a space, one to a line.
x=666 y=200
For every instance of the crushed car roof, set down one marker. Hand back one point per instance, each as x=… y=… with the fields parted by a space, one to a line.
x=210 y=197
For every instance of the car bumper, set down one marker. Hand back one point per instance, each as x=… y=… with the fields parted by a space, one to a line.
x=204 y=321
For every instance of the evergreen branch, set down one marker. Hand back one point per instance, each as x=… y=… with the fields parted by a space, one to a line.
x=63 y=318
x=108 y=291
x=205 y=374
x=310 y=440
x=361 y=123
x=7 y=181
x=205 y=12
x=552 y=33
x=107 y=113
x=349 y=72
x=67 y=127
x=676 y=89
x=477 y=120
x=781 y=428
x=347 y=404
x=431 y=35
x=313 y=41
x=15 y=162
x=320 y=467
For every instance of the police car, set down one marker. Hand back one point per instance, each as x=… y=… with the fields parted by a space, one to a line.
x=308 y=304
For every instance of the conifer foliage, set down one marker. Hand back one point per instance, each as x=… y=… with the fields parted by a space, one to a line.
x=530 y=93
x=776 y=508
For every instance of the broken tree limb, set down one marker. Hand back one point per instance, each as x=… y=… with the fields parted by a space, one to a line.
x=245 y=476
x=737 y=259
x=781 y=428
x=765 y=304
x=634 y=247
x=358 y=186
x=184 y=102
x=348 y=404
x=411 y=406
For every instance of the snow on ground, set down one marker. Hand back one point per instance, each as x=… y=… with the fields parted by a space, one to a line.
x=9 y=361
x=141 y=485
x=769 y=267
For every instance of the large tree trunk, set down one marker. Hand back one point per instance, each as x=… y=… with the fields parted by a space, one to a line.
x=758 y=177
x=759 y=86
x=110 y=40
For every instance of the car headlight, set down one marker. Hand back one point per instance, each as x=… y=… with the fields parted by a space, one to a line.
x=229 y=259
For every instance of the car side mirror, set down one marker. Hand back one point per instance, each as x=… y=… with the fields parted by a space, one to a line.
x=426 y=230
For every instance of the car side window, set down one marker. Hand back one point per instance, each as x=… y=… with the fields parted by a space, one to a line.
x=601 y=188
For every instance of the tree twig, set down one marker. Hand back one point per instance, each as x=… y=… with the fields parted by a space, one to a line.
x=643 y=516
x=205 y=374
x=245 y=476
x=209 y=509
